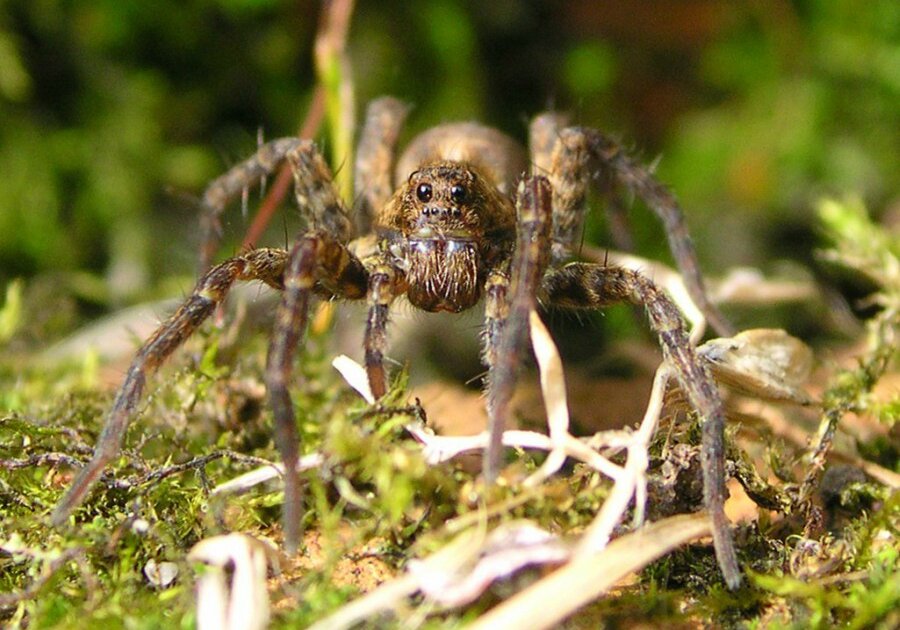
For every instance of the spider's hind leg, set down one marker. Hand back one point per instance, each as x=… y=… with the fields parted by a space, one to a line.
x=569 y=171
x=374 y=169
x=592 y=286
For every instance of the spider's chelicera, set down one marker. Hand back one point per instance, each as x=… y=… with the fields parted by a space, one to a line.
x=447 y=227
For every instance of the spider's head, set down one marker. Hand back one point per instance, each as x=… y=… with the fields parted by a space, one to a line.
x=443 y=199
x=446 y=221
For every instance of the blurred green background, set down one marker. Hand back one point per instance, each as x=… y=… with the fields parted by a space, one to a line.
x=114 y=114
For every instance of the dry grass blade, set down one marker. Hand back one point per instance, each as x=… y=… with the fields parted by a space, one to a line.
x=439 y=448
x=335 y=75
x=588 y=576
x=383 y=598
x=634 y=481
x=450 y=559
x=244 y=482
x=459 y=578
x=336 y=88
x=553 y=389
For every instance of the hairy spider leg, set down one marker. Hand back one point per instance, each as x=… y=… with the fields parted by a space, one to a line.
x=316 y=256
x=317 y=198
x=661 y=201
x=565 y=164
x=266 y=265
x=568 y=167
x=594 y=286
x=530 y=260
x=544 y=132
x=319 y=262
x=290 y=325
x=228 y=186
x=385 y=283
x=581 y=285
x=374 y=169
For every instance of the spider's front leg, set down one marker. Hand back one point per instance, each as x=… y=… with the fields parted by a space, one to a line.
x=318 y=262
x=593 y=286
x=506 y=330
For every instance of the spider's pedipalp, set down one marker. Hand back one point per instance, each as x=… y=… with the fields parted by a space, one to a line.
x=592 y=286
x=496 y=310
x=266 y=265
x=385 y=283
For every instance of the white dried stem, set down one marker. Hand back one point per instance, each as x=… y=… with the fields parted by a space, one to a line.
x=260 y=475
x=231 y=591
x=633 y=483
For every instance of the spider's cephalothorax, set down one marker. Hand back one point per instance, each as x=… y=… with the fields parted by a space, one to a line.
x=445 y=228
x=449 y=231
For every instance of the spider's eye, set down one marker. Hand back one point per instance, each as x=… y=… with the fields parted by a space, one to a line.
x=423 y=192
x=458 y=193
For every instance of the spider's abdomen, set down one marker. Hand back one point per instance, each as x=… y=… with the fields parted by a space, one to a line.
x=443 y=274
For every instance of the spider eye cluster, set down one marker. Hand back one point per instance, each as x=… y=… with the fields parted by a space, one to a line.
x=424 y=192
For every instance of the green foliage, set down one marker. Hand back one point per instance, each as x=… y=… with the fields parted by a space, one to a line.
x=869 y=251
x=11 y=312
x=865 y=603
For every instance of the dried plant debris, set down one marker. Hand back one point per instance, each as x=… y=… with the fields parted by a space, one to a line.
x=763 y=363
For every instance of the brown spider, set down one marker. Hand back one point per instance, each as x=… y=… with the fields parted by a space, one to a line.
x=450 y=233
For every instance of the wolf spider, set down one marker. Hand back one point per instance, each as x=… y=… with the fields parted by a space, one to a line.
x=447 y=230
